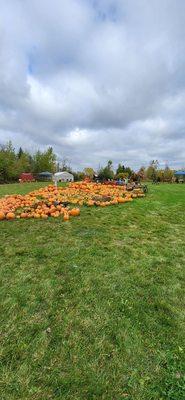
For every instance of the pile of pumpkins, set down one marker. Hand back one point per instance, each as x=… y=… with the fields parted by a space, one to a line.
x=55 y=202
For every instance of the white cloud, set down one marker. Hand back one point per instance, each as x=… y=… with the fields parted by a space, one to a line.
x=96 y=80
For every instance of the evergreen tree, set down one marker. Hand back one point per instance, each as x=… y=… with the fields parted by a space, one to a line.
x=45 y=161
x=20 y=152
x=106 y=172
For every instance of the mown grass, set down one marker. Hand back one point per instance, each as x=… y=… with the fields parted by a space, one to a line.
x=94 y=308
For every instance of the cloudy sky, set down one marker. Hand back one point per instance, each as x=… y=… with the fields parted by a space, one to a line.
x=96 y=79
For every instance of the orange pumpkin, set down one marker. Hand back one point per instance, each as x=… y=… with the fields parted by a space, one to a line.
x=121 y=200
x=90 y=203
x=23 y=215
x=74 y=212
x=44 y=216
x=66 y=217
x=2 y=215
x=56 y=214
x=36 y=215
x=114 y=201
x=49 y=200
x=10 y=215
x=29 y=215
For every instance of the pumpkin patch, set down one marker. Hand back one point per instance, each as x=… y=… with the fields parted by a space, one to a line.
x=64 y=202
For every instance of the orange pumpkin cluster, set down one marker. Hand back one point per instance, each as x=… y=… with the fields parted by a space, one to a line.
x=34 y=206
x=54 y=202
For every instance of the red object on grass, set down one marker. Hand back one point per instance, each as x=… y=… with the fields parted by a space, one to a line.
x=26 y=177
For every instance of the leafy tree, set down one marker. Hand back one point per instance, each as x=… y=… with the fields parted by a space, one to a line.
x=123 y=169
x=65 y=165
x=168 y=174
x=142 y=173
x=78 y=176
x=122 y=175
x=89 y=172
x=151 y=171
x=165 y=175
x=7 y=163
x=128 y=170
x=20 y=152
x=120 y=169
x=45 y=161
x=106 y=172
x=12 y=164
x=110 y=164
x=24 y=163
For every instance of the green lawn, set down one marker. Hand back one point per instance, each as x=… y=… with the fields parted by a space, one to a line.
x=94 y=308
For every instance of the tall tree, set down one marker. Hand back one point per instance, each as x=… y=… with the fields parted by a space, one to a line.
x=109 y=164
x=64 y=165
x=120 y=169
x=8 y=160
x=20 y=152
x=151 y=171
x=89 y=172
x=106 y=172
x=141 y=172
x=24 y=163
x=45 y=161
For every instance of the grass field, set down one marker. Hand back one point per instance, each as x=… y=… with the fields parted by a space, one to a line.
x=94 y=308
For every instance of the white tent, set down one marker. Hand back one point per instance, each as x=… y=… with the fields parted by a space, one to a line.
x=63 y=176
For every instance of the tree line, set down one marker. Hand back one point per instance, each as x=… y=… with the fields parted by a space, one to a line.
x=13 y=163
x=151 y=172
